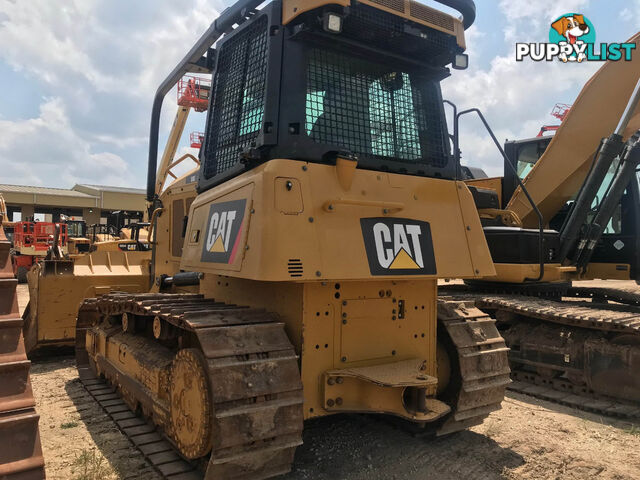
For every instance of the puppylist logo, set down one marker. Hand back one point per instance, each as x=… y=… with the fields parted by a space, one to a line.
x=572 y=38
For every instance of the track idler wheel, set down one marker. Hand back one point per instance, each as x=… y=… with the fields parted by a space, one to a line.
x=191 y=405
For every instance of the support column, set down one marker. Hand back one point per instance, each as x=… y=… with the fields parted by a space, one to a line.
x=27 y=211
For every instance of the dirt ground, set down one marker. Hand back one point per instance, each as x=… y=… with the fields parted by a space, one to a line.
x=527 y=439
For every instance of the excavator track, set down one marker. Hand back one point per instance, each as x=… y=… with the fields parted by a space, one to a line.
x=480 y=367
x=233 y=405
x=576 y=350
x=626 y=296
x=20 y=450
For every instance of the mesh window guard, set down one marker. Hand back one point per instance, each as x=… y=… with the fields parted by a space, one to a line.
x=237 y=109
x=373 y=111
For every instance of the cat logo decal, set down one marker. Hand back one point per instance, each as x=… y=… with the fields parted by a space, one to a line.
x=224 y=232
x=397 y=246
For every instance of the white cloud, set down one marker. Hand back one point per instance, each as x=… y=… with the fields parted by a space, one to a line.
x=102 y=61
x=515 y=97
x=528 y=19
x=56 y=42
x=545 y=9
x=631 y=13
x=37 y=150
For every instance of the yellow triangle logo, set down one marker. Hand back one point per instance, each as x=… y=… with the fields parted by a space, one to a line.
x=403 y=261
x=218 y=246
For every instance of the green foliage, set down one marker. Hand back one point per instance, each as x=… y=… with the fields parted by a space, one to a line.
x=90 y=465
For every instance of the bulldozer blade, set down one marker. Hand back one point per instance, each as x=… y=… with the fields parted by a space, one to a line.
x=20 y=450
x=57 y=287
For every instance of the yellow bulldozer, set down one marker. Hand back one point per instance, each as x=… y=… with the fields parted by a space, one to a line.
x=329 y=204
x=59 y=283
x=328 y=207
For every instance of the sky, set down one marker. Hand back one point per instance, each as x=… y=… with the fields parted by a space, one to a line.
x=77 y=80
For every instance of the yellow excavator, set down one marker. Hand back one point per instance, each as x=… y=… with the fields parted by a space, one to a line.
x=328 y=207
x=20 y=451
x=59 y=283
x=568 y=210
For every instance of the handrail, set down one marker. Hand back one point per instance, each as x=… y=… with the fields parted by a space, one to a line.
x=456 y=129
x=456 y=139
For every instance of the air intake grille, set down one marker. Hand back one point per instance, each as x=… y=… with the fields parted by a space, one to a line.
x=393 y=4
x=295 y=267
x=388 y=32
x=237 y=111
x=429 y=15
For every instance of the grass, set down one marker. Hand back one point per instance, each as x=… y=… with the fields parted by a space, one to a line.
x=633 y=430
x=66 y=425
x=90 y=465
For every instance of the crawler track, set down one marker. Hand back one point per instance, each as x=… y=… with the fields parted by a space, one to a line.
x=157 y=450
x=576 y=349
x=252 y=390
x=20 y=451
x=482 y=372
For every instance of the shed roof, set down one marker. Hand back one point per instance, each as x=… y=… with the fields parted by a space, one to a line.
x=42 y=191
x=107 y=188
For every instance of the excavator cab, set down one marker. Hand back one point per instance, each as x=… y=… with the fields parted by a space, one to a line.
x=619 y=245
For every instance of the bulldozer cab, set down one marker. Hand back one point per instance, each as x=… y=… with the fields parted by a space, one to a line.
x=76 y=228
x=102 y=233
x=344 y=80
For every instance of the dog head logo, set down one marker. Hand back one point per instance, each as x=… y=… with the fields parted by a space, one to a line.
x=224 y=231
x=397 y=246
x=574 y=31
x=571 y=27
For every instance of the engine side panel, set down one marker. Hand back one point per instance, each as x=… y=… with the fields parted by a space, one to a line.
x=293 y=221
